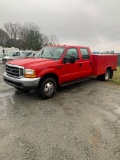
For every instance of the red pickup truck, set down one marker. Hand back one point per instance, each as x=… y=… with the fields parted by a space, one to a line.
x=58 y=65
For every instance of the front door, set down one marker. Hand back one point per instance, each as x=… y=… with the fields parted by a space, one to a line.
x=70 y=71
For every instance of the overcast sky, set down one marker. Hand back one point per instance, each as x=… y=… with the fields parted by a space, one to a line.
x=93 y=23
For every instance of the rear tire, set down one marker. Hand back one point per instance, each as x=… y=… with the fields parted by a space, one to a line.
x=99 y=77
x=47 y=88
x=106 y=76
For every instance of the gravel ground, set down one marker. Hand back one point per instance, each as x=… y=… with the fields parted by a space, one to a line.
x=81 y=122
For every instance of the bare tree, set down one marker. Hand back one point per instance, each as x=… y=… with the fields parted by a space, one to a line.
x=53 y=40
x=12 y=29
x=31 y=26
x=26 y=28
x=45 y=40
x=31 y=36
x=28 y=36
x=3 y=37
x=23 y=33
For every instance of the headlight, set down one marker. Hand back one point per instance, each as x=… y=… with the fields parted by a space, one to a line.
x=29 y=73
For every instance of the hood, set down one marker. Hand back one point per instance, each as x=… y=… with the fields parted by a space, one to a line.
x=32 y=63
x=7 y=57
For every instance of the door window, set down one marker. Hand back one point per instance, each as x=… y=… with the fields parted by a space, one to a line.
x=85 y=54
x=71 y=52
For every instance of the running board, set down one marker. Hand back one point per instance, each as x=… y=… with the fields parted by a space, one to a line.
x=75 y=81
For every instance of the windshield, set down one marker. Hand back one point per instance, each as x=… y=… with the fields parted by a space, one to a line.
x=25 y=54
x=32 y=54
x=11 y=54
x=50 y=53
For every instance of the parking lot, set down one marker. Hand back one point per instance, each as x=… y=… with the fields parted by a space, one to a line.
x=81 y=122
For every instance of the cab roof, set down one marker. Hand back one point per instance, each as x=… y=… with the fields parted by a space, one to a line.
x=68 y=46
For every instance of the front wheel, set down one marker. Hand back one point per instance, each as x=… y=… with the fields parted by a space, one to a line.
x=47 y=88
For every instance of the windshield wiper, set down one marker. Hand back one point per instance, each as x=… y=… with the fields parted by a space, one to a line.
x=42 y=53
x=51 y=54
x=46 y=57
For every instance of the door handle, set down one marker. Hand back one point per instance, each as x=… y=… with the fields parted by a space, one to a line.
x=80 y=64
x=90 y=63
x=59 y=66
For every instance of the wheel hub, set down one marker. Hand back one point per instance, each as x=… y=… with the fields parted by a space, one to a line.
x=49 y=88
x=107 y=76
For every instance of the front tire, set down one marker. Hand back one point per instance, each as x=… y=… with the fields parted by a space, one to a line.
x=47 y=88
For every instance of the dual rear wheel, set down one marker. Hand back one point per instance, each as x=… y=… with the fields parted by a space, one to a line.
x=106 y=76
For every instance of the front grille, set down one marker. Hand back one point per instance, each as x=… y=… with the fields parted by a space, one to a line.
x=14 y=71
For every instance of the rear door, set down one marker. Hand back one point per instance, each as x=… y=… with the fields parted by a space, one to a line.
x=85 y=62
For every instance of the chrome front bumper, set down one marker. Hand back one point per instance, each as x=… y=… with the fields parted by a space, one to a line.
x=22 y=82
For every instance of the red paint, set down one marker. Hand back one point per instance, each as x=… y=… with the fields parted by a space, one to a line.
x=95 y=65
x=103 y=61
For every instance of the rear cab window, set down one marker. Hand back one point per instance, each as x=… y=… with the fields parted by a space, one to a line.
x=85 y=53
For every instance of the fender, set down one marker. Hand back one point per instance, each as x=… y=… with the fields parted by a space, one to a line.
x=109 y=66
x=49 y=71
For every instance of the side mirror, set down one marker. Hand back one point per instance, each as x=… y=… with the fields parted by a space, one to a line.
x=69 y=60
x=72 y=59
x=13 y=54
x=65 y=60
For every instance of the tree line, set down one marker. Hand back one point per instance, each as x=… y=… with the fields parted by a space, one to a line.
x=27 y=36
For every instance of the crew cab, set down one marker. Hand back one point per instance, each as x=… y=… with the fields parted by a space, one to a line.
x=58 y=65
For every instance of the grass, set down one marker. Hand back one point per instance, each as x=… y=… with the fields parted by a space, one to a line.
x=116 y=76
